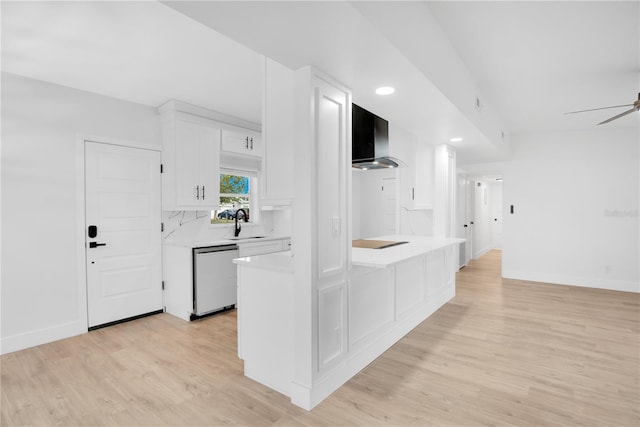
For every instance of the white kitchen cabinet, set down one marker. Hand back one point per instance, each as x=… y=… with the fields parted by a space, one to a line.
x=371 y=304
x=424 y=176
x=177 y=275
x=416 y=172
x=411 y=283
x=276 y=183
x=191 y=169
x=263 y=247
x=265 y=321
x=242 y=141
x=387 y=294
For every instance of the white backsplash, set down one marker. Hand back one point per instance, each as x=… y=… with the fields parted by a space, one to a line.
x=417 y=222
x=196 y=225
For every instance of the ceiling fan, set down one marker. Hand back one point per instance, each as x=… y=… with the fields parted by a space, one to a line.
x=635 y=107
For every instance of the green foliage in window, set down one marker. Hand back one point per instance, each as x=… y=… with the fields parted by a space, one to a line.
x=233 y=184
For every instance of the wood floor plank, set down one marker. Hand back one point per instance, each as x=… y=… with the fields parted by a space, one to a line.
x=502 y=352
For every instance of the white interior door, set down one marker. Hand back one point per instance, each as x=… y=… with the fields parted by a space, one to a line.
x=470 y=205
x=496 y=215
x=462 y=225
x=123 y=255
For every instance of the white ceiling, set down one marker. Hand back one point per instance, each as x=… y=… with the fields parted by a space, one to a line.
x=531 y=61
x=142 y=52
x=535 y=60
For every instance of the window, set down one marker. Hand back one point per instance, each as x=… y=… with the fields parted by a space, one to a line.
x=237 y=191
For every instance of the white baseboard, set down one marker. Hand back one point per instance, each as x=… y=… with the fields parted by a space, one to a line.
x=481 y=252
x=585 y=282
x=42 y=336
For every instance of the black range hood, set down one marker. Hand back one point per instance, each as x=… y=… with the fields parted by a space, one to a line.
x=369 y=140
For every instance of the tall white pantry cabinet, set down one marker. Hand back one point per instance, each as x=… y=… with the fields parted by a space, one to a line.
x=322 y=246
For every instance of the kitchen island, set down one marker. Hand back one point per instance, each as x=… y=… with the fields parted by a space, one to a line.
x=389 y=292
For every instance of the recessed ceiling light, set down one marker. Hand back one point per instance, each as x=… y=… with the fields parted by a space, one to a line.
x=457 y=139
x=385 y=90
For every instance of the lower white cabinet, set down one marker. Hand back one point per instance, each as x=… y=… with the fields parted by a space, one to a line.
x=357 y=320
x=371 y=297
x=177 y=275
x=265 y=326
x=264 y=247
x=411 y=283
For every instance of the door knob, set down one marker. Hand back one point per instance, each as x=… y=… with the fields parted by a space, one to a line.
x=96 y=244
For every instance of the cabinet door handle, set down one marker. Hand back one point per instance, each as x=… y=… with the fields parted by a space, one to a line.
x=246 y=145
x=197 y=192
x=203 y=192
x=252 y=143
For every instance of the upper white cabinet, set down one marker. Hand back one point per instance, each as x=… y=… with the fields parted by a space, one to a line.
x=241 y=141
x=278 y=133
x=192 y=139
x=190 y=159
x=416 y=174
x=424 y=176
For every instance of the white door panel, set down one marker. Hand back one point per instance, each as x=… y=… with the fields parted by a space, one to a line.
x=124 y=277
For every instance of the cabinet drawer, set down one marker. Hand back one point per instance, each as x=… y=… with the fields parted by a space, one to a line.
x=247 y=143
x=258 y=248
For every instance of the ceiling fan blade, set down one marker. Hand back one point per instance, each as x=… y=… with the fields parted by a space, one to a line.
x=601 y=108
x=618 y=116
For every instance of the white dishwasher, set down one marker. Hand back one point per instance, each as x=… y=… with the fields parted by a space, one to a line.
x=214 y=279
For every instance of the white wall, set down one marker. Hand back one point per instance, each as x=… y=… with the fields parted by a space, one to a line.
x=41 y=296
x=368 y=201
x=575 y=196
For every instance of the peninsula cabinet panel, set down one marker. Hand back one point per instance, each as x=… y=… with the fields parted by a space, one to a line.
x=370 y=304
x=332 y=331
x=411 y=282
x=435 y=271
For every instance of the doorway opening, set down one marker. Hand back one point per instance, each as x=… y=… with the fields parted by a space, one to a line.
x=480 y=214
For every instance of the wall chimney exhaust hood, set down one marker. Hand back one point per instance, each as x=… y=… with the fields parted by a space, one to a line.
x=370 y=141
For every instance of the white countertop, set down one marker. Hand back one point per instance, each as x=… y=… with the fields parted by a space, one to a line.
x=277 y=261
x=376 y=258
x=201 y=243
x=418 y=245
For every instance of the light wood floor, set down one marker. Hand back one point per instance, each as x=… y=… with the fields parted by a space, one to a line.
x=502 y=352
